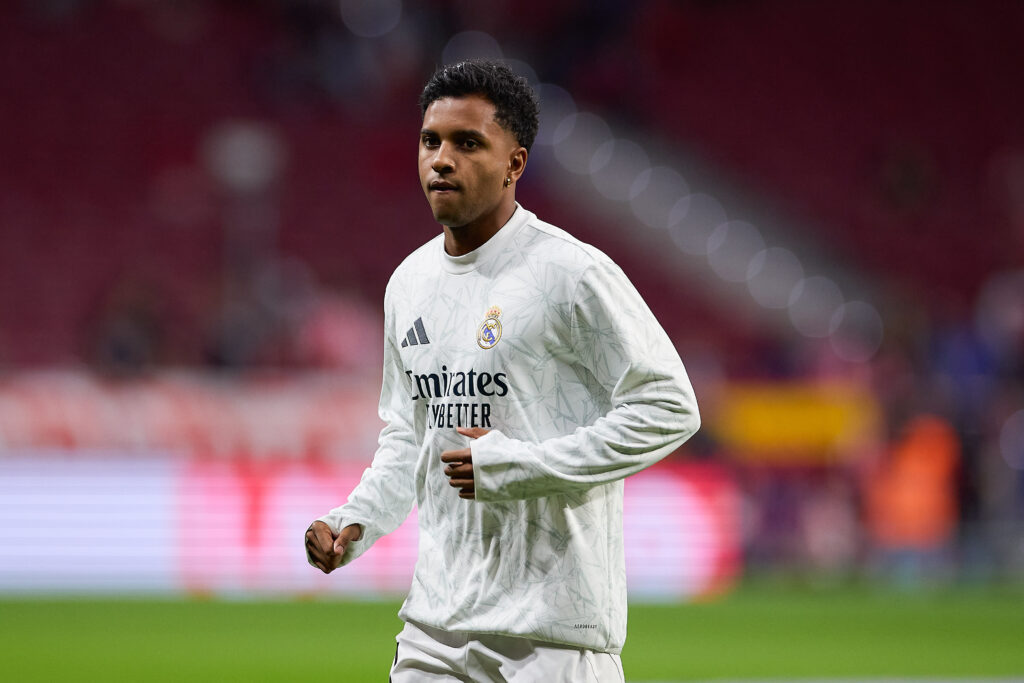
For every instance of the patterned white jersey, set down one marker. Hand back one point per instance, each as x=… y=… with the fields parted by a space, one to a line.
x=543 y=340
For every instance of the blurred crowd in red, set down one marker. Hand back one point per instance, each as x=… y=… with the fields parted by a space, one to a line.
x=226 y=186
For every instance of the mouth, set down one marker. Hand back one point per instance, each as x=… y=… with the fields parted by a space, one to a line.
x=442 y=186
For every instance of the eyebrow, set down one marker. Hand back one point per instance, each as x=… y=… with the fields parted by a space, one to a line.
x=466 y=133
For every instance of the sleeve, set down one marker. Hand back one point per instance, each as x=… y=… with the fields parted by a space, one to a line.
x=653 y=409
x=385 y=494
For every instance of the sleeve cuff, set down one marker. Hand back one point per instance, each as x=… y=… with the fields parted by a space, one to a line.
x=491 y=474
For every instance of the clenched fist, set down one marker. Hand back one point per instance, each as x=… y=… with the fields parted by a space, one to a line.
x=325 y=549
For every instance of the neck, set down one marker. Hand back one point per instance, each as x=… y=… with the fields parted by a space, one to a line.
x=463 y=239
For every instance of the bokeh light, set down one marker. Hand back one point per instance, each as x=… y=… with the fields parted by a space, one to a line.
x=771 y=276
x=578 y=137
x=556 y=105
x=655 y=193
x=615 y=167
x=813 y=304
x=521 y=68
x=245 y=156
x=471 y=45
x=731 y=249
x=692 y=221
x=857 y=331
x=371 y=18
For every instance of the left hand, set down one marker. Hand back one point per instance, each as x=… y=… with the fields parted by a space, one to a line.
x=460 y=464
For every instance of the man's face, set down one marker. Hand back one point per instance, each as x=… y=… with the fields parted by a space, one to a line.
x=465 y=156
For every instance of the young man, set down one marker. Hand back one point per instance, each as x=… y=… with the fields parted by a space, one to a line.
x=524 y=378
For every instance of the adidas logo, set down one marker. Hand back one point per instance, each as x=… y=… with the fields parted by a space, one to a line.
x=415 y=335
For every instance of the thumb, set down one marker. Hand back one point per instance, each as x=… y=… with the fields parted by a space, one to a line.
x=353 y=532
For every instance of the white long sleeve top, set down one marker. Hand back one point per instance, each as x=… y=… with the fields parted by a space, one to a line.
x=542 y=339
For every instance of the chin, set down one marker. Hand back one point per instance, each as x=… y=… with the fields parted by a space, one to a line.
x=447 y=218
x=444 y=218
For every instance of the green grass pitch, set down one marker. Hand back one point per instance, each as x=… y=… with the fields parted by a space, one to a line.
x=755 y=633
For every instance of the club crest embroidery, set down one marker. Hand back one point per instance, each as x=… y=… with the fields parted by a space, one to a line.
x=489 y=332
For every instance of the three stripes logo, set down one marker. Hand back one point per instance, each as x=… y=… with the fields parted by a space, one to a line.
x=416 y=335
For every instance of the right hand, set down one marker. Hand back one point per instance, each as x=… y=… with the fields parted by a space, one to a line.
x=325 y=548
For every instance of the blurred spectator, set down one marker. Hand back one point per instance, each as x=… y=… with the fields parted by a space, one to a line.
x=911 y=506
x=128 y=335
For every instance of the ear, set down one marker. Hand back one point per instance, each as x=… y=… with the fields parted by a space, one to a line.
x=517 y=163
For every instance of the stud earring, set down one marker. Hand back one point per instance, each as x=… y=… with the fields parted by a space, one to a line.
x=508 y=180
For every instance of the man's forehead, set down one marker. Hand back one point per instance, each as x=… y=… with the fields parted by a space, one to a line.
x=474 y=111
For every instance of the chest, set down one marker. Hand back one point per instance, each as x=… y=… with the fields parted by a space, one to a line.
x=485 y=325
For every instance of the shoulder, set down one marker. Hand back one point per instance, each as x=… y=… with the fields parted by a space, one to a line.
x=544 y=242
x=415 y=266
x=581 y=273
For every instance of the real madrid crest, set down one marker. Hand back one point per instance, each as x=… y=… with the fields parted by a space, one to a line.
x=489 y=332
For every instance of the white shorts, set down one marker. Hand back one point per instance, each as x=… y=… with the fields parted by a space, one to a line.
x=430 y=654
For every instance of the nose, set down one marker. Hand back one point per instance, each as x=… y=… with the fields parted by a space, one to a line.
x=442 y=161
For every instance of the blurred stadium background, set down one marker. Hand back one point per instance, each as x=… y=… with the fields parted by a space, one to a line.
x=201 y=203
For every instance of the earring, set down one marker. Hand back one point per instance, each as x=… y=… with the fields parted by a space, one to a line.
x=508 y=180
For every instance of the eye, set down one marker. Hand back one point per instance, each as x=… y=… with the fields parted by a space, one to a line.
x=428 y=141
x=470 y=143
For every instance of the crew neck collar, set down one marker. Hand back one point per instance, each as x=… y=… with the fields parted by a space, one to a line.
x=471 y=261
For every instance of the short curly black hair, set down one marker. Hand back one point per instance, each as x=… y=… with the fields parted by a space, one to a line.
x=515 y=102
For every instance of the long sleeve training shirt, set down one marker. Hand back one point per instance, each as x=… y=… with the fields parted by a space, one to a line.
x=543 y=340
